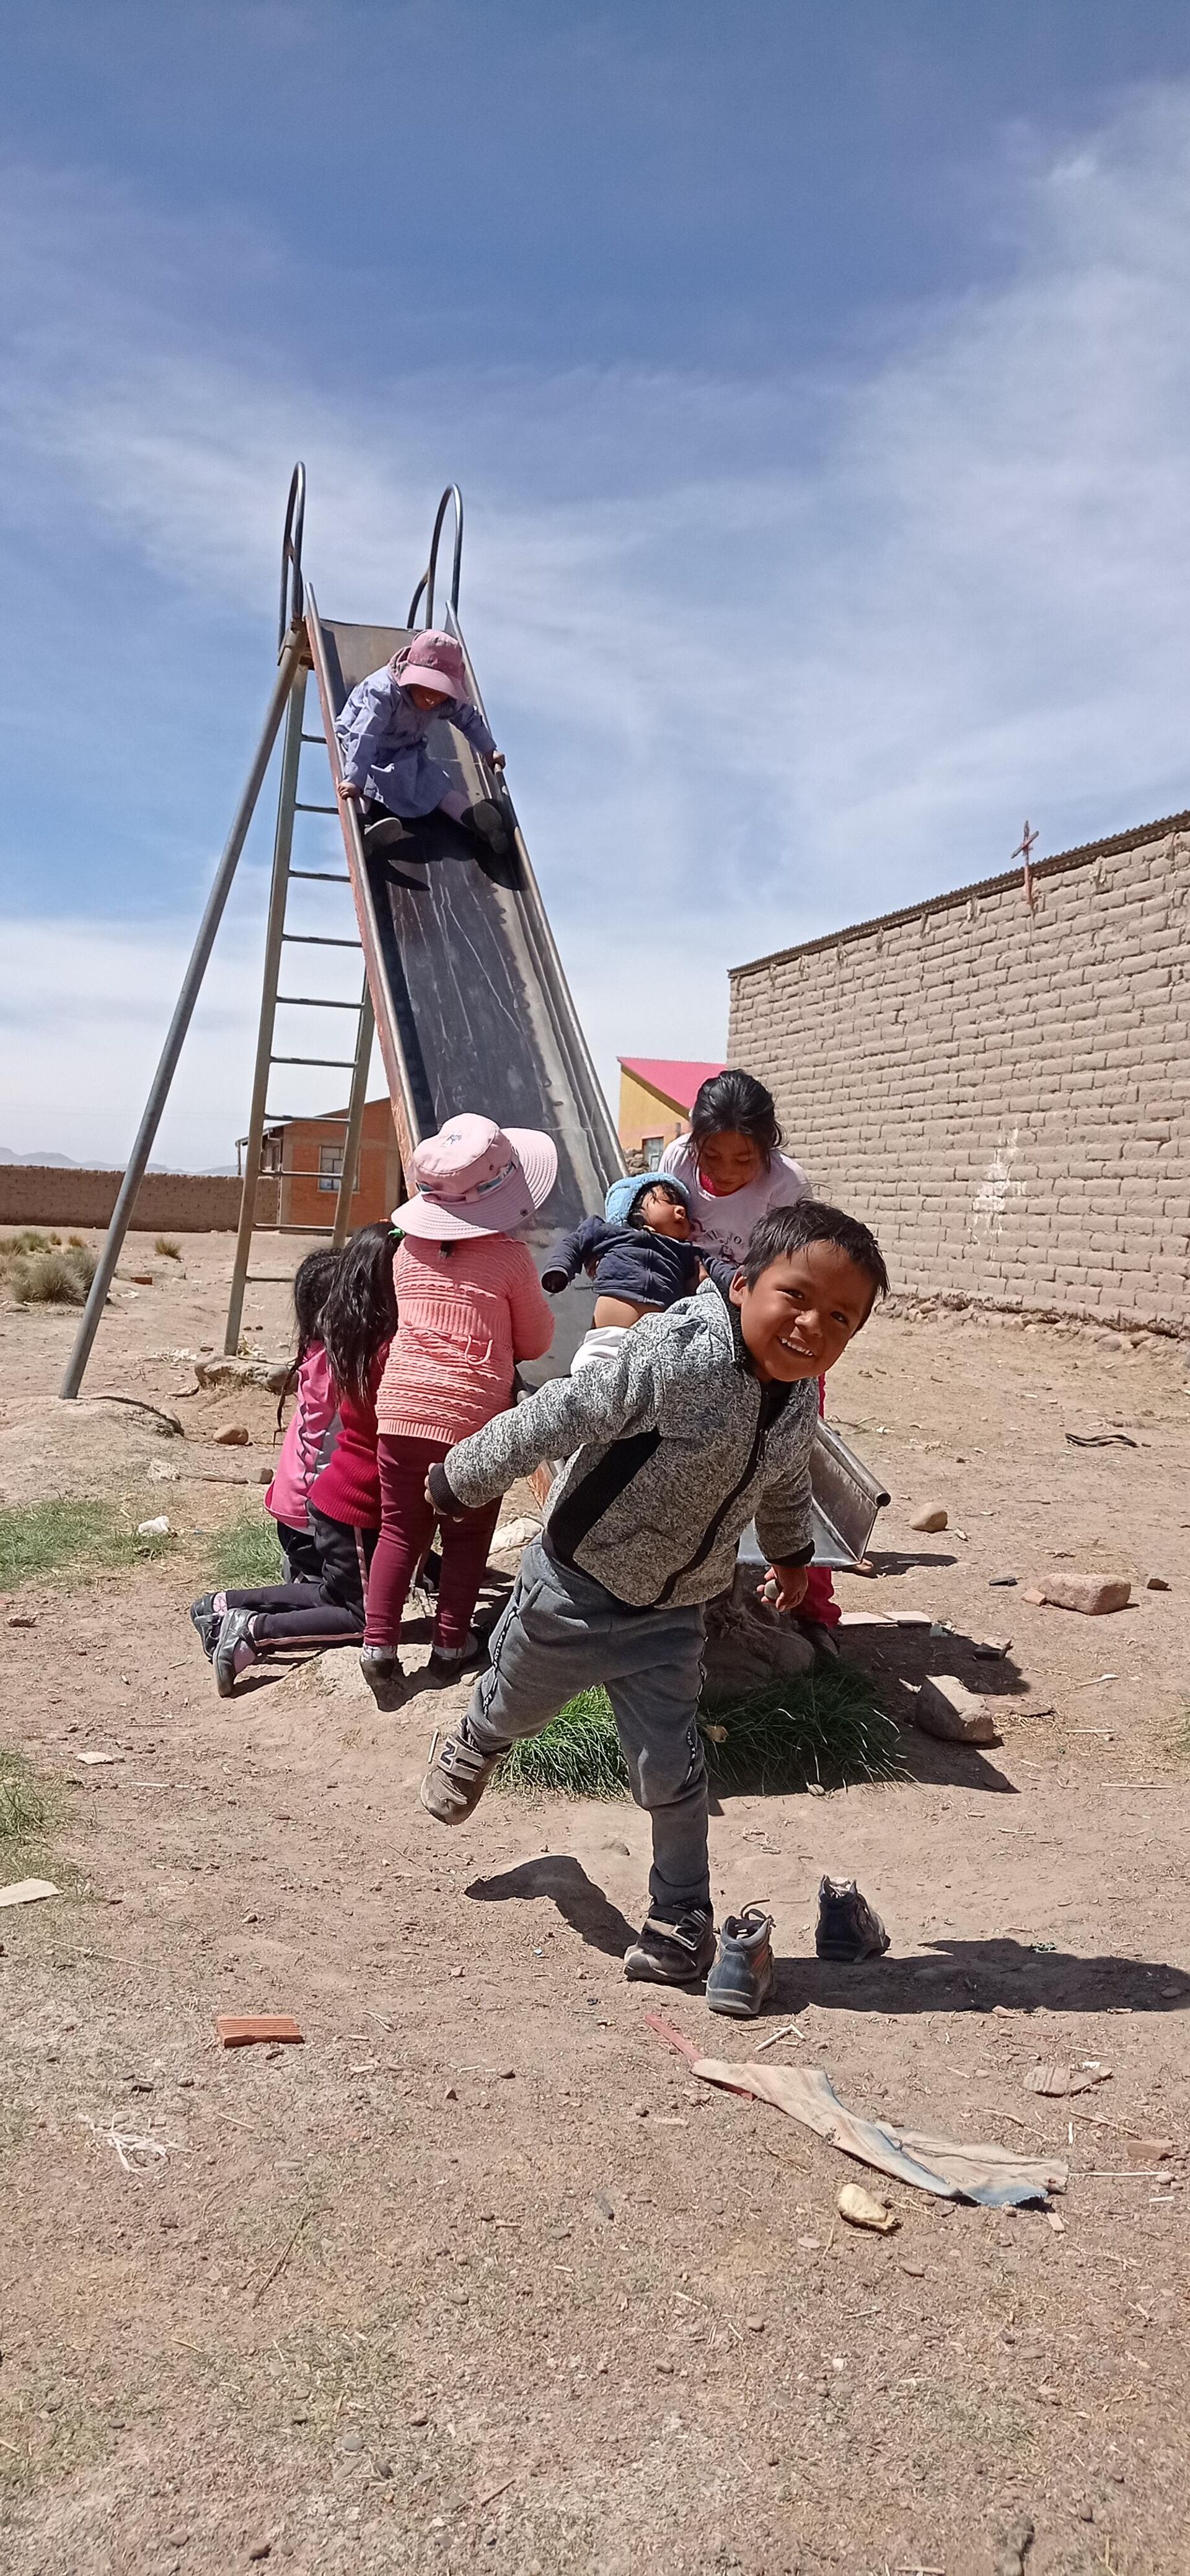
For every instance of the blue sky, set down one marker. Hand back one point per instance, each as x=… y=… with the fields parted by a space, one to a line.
x=818 y=382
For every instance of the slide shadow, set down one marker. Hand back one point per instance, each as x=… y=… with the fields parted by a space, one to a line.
x=580 y=1902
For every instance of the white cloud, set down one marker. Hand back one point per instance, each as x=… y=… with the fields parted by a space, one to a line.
x=766 y=657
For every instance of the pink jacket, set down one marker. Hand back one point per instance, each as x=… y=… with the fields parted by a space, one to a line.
x=468 y=1313
x=298 y=1461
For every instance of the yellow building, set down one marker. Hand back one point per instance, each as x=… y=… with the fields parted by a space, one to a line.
x=656 y=1098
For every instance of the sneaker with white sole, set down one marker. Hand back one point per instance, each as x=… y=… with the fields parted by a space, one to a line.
x=673 y=1954
x=457 y=1775
x=741 y=1980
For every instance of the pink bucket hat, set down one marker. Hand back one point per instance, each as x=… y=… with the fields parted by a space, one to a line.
x=476 y=1178
x=433 y=661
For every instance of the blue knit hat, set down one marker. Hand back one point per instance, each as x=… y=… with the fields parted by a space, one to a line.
x=623 y=1194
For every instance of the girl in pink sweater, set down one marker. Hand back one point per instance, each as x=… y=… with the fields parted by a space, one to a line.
x=470 y=1307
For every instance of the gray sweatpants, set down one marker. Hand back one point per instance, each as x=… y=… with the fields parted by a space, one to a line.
x=561 y=1634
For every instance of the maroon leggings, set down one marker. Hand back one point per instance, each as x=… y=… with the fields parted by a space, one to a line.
x=407 y=1526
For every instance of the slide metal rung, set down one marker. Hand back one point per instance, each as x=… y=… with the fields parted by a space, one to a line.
x=313 y=1002
x=338 y=1063
x=320 y=876
x=315 y=737
x=312 y=1118
x=296 y=1229
x=299 y=808
x=314 y=939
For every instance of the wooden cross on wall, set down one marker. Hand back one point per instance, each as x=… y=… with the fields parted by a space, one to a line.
x=1022 y=852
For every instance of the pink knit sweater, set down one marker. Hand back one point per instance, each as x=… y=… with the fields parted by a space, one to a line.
x=468 y=1313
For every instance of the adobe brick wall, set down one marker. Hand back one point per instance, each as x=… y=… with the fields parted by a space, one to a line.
x=1003 y=1094
x=180 y=1202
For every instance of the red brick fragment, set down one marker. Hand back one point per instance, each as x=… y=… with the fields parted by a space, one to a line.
x=241 y=2030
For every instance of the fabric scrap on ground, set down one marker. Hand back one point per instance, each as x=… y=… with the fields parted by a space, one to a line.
x=994 y=2177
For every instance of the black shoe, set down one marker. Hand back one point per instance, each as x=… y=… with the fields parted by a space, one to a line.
x=384 y=832
x=234 y=1651
x=208 y=1621
x=848 y=1929
x=742 y=1977
x=381 y=1670
x=673 y=1954
x=486 y=820
x=451 y=1668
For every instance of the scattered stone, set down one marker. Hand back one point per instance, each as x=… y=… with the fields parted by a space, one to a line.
x=162 y=1473
x=236 y=1372
x=1002 y=1582
x=419 y=2419
x=512 y=1535
x=640 y=2110
x=1091 y=1594
x=932 y=1517
x=158 y=1528
x=24 y=1618
x=945 y=1708
x=141 y=1278
x=755 y=2325
x=236 y=1436
x=264 y=1475
x=991 y=1650
x=353 y=2441
x=860 y=2209
x=1153 y=1583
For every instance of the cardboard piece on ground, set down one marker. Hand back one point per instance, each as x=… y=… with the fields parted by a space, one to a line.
x=1054 y=2081
x=243 y=2030
x=26 y=1891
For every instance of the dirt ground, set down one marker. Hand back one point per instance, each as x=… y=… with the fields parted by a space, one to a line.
x=480 y=2276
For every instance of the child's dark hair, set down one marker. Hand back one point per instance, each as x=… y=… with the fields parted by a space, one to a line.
x=651 y=1181
x=790 y=1229
x=311 y=1285
x=360 y=1310
x=735 y=1100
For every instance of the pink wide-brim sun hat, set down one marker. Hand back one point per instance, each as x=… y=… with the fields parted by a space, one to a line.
x=474 y=1178
x=432 y=661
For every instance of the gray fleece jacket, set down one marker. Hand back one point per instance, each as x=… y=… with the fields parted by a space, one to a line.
x=672 y=1450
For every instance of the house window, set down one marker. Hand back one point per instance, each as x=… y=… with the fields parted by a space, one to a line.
x=652 y=1147
x=330 y=1169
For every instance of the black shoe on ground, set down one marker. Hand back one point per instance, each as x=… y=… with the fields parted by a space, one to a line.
x=234 y=1651
x=848 y=1928
x=742 y=1977
x=673 y=1954
x=208 y=1621
x=381 y=1670
x=445 y=1667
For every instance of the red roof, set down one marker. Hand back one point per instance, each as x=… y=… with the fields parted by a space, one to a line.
x=677 y=1083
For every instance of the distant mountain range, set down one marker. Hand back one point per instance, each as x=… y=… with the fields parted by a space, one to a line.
x=69 y=1163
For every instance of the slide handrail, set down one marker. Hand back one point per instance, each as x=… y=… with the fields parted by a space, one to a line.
x=430 y=575
x=292 y=586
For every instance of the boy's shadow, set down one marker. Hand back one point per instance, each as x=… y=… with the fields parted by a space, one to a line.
x=580 y=1902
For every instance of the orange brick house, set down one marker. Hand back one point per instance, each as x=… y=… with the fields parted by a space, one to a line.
x=308 y=1154
x=656 y=1098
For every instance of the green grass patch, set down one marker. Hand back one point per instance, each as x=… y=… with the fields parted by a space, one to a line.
x=50 y=1278
x=246 y=1553
x=26 y=1808
x=817 y=1730
x=66 y=1535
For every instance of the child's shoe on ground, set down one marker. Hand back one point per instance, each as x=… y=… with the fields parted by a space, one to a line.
x=457 y=1777
x=381 y=1670
x=208 y=1616
x=673 y=1954
x=848 y=1929
x=234 y=1651
x=450 y=1663
x=742 y=1977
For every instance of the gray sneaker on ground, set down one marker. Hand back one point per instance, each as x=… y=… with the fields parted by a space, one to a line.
x=457 y=1776
x=742 y=1977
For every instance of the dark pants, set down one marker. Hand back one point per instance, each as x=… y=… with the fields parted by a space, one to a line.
x=406 y=1531
x=300 y=1552
x=326 y=1613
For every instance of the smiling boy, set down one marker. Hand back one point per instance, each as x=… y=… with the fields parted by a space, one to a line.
x=703 y=1422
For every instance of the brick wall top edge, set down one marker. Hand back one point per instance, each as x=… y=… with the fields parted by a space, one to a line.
x=1060 y=865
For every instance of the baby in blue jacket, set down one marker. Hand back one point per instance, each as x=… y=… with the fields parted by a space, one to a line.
x=639 y=1254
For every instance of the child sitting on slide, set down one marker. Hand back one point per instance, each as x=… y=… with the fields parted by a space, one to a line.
x=382 y=733
x=640 y=1255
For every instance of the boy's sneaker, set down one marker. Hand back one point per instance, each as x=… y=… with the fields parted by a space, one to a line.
x=448 y=1663
x=848 y=1928
x=673 y=1954
x=381 y=1670
x=208 y=1616
x=234 y=1651
x=384 y=832
x=457 y=1776
x=742 y=1977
